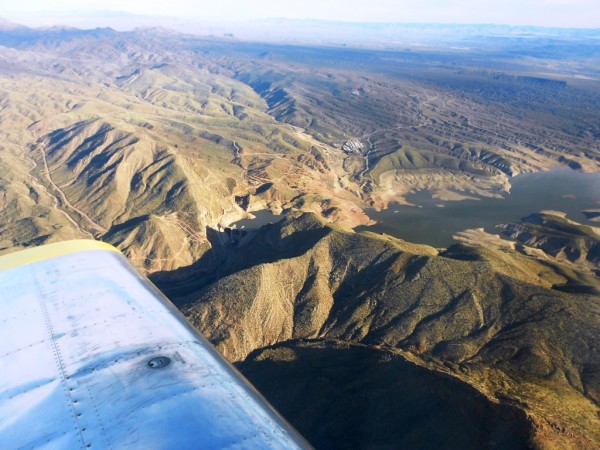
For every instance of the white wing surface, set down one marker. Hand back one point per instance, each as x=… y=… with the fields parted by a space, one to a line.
x=93 y=356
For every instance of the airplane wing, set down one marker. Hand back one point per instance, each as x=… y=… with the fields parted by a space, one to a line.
x=93 y=356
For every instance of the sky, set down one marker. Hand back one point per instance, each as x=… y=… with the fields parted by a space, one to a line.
x=554 y=13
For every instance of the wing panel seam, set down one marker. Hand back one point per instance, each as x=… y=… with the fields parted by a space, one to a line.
x=57 y=354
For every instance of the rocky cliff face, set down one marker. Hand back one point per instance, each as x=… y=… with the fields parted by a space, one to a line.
x=487 y=317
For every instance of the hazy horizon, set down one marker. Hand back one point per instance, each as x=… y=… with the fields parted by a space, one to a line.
x=540 y=13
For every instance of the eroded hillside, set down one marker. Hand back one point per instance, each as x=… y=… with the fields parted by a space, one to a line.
x=156 y=141
x=149 y=154
x=492 y=318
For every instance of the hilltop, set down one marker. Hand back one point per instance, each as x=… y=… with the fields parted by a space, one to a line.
x=490 y=318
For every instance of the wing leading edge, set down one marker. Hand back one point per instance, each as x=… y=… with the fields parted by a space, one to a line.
x=93 y=356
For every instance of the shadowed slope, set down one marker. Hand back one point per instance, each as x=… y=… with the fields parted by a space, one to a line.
x=471 y=314
x=348 y=396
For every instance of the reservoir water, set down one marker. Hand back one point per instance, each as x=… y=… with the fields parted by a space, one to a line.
x=434 y=222
x=263 y=217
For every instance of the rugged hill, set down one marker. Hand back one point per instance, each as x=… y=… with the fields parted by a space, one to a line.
x=147 y=145
x=122 y=135
x=488 y=317
x=560 y=238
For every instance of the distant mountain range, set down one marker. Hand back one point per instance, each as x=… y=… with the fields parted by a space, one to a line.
x=311 y=31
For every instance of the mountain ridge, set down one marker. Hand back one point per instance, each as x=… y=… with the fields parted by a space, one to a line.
x=454 y=311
